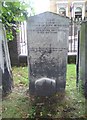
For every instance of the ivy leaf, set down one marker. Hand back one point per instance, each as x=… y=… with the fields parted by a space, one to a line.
x=12 y=13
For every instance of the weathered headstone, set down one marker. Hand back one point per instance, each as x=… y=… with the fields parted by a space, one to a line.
x=6 y=81
x=47 y=52
x=83 y=55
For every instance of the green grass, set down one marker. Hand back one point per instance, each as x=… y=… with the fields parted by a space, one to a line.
x=20 y=75
x=19 y=104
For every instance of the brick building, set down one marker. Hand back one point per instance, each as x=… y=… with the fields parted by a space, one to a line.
x=77 y=9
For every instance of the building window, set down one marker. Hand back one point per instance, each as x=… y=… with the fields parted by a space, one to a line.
x=78 y=14
x=62 y=11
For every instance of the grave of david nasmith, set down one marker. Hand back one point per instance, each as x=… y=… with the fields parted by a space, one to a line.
x=47 y=53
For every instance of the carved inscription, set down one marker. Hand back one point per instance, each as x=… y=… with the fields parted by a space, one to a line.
x=49 y=50
x=51 y=26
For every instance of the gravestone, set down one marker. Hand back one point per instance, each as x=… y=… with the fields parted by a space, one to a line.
x=83 y=55
x=47 y=53
x=6 y=80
